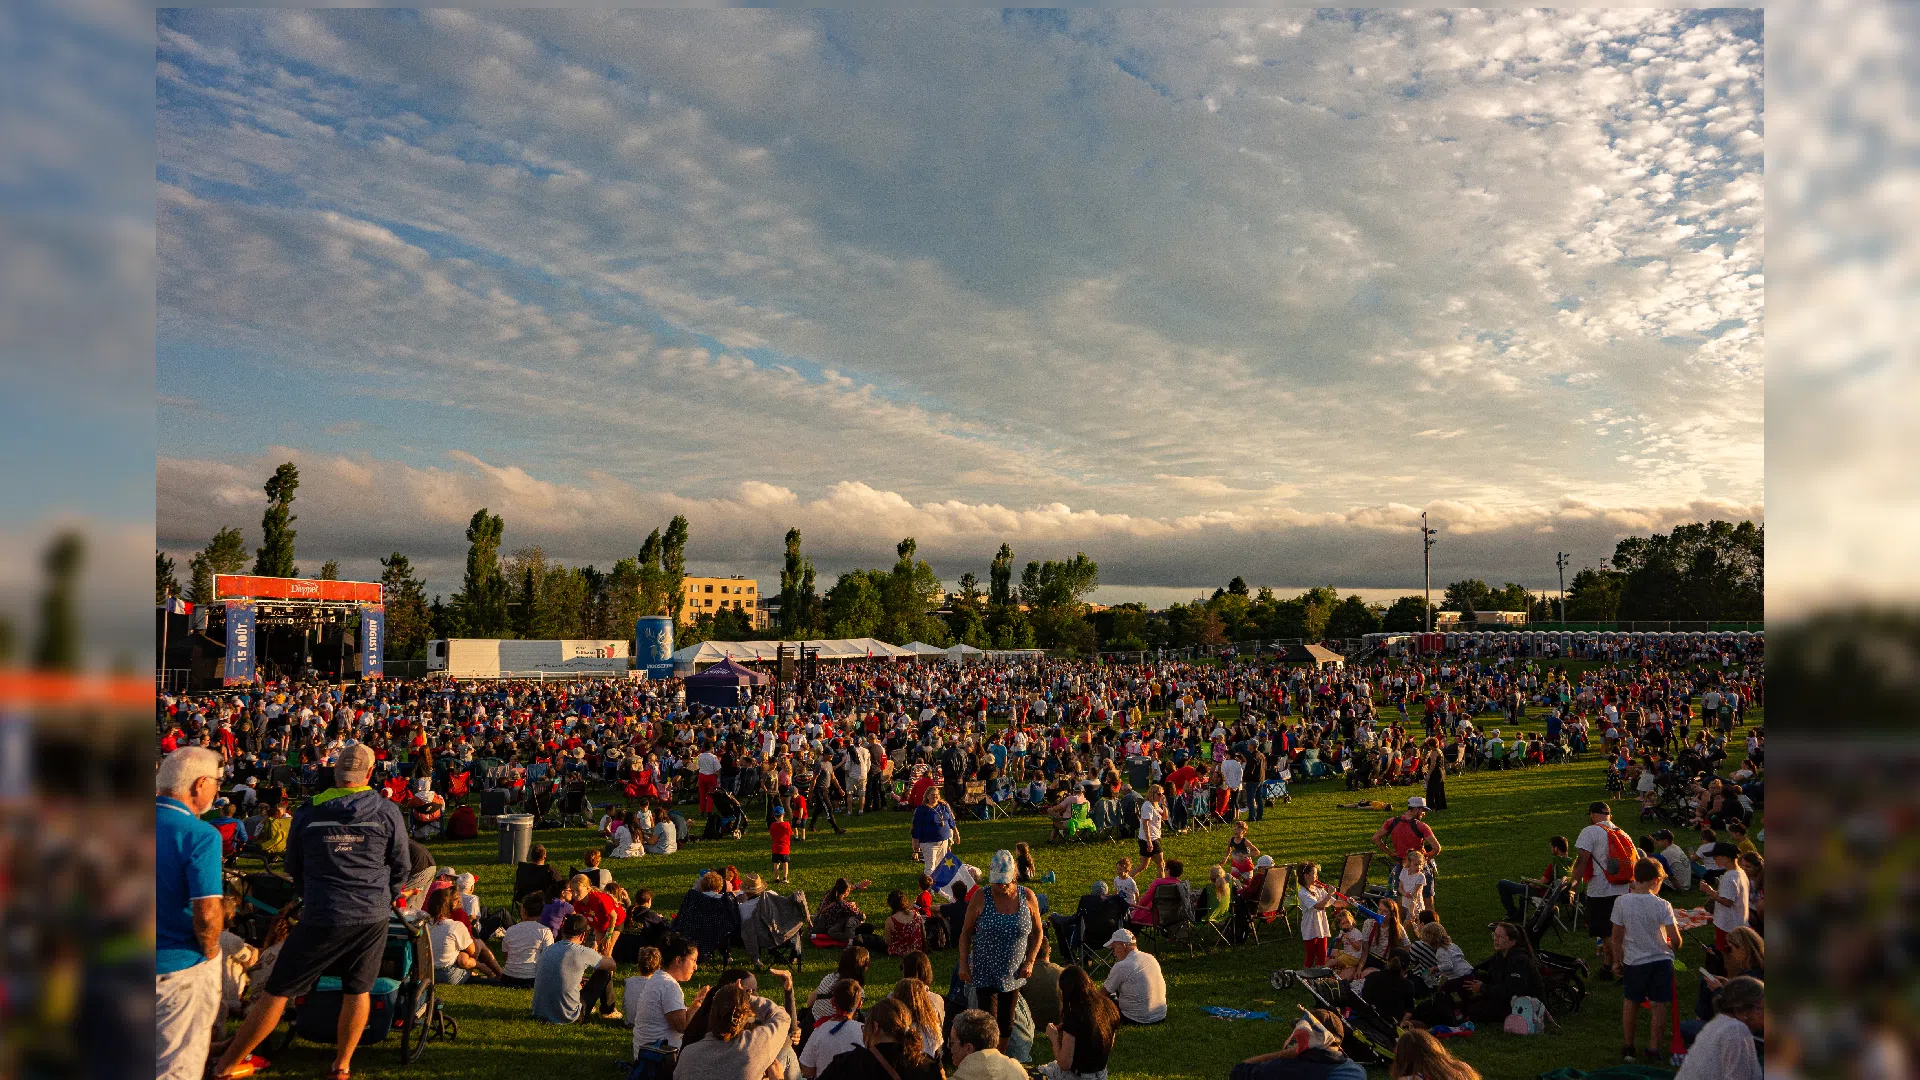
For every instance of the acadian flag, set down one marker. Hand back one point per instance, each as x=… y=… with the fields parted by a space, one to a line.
x=1309 y=1033
x=943 y=873
x=177 y=606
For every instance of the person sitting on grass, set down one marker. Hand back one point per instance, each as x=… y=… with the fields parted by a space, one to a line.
x=1313 y=1052
x=1725 y=1048
x=743 y=1037
x=839 y=1031
x=455 y=952
x=1083 y=1039
x=974 y=1044
x=892 y=1049
x=558 y=997
x=1509 y=973
x=522 y=945
x=1420 y=1056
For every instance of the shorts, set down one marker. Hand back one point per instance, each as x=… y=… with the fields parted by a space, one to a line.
x=1649 y=982
x=782 y=860
x=1600 y=916
x=353 y=952
x=1149 y=848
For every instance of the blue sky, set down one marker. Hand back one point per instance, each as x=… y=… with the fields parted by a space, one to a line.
x=1199 y=293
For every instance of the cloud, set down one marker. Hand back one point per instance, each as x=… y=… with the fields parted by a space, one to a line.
x=358 y=509
x=1181 y=267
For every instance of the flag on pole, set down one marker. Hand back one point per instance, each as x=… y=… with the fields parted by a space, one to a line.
x=177 y=606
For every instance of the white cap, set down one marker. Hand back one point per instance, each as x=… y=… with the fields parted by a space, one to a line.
x=1416 y=803
x=1120 y=937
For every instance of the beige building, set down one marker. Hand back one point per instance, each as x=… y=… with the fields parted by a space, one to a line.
x=707 y=595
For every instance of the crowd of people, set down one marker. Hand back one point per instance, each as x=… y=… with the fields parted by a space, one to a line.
x=289 y=773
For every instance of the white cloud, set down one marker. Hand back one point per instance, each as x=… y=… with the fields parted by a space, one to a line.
x=1175 y=266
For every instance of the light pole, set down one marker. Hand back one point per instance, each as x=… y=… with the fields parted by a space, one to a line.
x=1560 y=560
x=1426 y=554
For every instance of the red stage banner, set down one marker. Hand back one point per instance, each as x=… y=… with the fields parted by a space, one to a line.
x=246 y=586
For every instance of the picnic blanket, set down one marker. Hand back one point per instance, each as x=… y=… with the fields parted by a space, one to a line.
x=1225 y=1013
x=1692 y=920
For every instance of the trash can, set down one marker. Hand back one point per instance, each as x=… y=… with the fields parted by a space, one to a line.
x=516 y=837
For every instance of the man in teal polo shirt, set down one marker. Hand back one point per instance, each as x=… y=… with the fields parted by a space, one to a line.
x=188 y=915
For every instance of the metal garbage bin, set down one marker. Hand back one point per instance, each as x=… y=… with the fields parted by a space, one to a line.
x=516 y=838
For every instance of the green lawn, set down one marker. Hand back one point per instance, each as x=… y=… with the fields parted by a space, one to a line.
x=1496 y=826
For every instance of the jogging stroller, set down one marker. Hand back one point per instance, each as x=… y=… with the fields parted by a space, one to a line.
x=1370 y=1036
x=1554 y=911
x=728 y=820
x=1565 y=980
x=402 y=999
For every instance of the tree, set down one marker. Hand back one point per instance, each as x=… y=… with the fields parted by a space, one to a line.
x=1594 y=595
x=969 y=596
x=226 y=553
x=1352 y=618
x=1238 y=586
x=907 y=595
x=799 y=607
x=330 y=570
x=1408 y=615
x=1009 y=627
x=1509 y=597
x=59 y=646
x=482 y=600
x=274 y=557
x=1053 y=591
x=623 y=600
x=408 y=618
x=855 y=606
x=1706 y=570
x=673 y=563
x=1467 y=597
x=1000 y=578
x=165 y=584
x=1122 y=627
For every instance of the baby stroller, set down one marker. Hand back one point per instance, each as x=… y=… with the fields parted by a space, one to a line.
x=1554 y=911
x=264 y=896
x=1565 y=980
x=728 y=820
x=402 y=999
x=1370 y=1036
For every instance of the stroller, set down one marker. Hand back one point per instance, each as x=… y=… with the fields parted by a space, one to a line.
x=1565 y=980
x=1554 y=911
x=264 y=897
x=728 y=820
x=402 y=999
x=1370 y=1036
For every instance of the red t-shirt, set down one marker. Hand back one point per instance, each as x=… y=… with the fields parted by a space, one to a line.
x=601 y=910
x=1404 y=839
x=781 y=834
x=1181 y=778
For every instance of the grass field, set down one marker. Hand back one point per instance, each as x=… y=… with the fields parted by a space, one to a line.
x=1496 y=826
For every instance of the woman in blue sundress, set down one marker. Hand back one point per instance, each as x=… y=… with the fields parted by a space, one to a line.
x=1001 y=942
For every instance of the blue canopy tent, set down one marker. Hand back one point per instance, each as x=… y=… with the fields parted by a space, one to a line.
x=722 y=684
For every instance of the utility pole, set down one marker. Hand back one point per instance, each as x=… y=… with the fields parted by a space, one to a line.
x=1426 y=552
x=1560 y=560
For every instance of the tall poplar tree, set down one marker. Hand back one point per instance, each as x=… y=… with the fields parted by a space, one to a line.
x=274 y=557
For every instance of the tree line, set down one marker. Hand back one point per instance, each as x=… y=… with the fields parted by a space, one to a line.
x=1703 y=571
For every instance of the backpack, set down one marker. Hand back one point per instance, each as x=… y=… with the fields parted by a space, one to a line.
x=1529 y=1017
x=1621 y=856
x=463 y=825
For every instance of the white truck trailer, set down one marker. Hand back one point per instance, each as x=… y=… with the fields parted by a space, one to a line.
x=491 y=658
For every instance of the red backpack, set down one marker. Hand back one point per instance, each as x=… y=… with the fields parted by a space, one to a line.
x=1621 y=856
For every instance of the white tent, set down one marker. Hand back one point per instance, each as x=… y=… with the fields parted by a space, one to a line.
x=963 y=653
x=712 y=652
x=921 y=648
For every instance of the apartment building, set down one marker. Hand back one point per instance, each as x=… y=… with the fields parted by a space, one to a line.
x=707 y=595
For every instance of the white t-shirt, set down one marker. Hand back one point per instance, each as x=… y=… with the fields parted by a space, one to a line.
x=647 y=1001
x=708 y=764
x=1413 y=893
x=1230 y=773
x=1733 y=885
x=449 y=939
x=521 y=948
x=1128 y=888
x=1644 y=915
x=1150 y=818
x=1593 y=841
x=829 y=1040
x=1138 y=988
x=1313 y=913
x=1679 y=867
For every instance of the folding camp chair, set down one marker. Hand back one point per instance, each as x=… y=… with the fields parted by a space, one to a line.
x=1219 y=924
x=1171 y=923
x=573 y=806
x=1355 y=871
x=1271 y=905
x=1092 y=931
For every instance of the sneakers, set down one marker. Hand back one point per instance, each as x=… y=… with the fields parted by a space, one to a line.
x=614 y=1015
x=1628 y=1055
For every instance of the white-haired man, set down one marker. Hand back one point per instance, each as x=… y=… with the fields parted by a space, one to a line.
x=349 y=856
x=188 y=913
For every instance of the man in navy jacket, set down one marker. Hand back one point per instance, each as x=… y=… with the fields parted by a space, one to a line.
x=347 y=854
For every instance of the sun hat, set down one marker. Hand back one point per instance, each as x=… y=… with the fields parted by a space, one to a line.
x=1416 y=803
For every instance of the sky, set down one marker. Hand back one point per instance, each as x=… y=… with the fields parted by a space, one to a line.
x=1201 y=294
